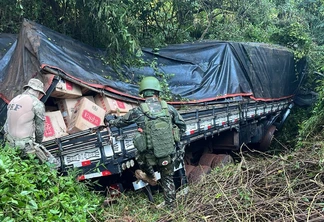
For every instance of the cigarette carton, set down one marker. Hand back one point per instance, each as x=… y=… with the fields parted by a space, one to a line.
x=111 y=105
x=66 y=106
x=67 y=90
x=86 y=115
x=54 y=126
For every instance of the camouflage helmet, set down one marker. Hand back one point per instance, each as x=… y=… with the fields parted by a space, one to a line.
x=149 y=82
x=36 y=85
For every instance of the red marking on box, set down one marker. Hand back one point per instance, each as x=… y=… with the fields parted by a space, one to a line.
x=120 y=104
x=103 y=103
x=90 y=117
x=69 y=85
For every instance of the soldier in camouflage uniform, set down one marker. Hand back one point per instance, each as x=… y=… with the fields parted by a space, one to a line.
x=147 y=160
x=24 y=127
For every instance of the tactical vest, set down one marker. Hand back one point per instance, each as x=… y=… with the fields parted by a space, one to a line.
x=158 y=130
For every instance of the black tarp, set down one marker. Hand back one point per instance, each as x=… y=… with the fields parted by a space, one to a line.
x=6 y=42
x=7 y=46
x=214 y=69
x=201 y=71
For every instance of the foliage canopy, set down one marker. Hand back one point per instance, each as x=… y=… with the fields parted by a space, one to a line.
x=123 y=27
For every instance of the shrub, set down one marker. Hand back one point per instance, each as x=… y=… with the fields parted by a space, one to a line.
x=30 y=191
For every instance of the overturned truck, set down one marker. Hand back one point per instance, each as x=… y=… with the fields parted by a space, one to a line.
x=229 y=94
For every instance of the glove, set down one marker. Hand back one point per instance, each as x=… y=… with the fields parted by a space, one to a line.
x=109 y=119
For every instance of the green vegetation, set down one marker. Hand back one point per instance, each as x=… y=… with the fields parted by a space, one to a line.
x=283 y=187
x=123 y=27
x=260 y=188
x=30 y=191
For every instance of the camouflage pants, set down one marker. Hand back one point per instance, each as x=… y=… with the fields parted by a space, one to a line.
x=167 y=184
x=146 y=163
x=28 y=146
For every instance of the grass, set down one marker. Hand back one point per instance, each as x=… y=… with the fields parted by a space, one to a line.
x=261 y=187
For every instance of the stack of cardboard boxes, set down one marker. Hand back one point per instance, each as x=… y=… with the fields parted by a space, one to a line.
x=76 y=112
x=112 y=105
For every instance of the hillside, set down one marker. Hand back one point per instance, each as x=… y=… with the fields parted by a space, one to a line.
x=261 y=187
x=287 y=187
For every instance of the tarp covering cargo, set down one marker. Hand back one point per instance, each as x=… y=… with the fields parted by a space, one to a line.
x=6 y=42
x=202 y=71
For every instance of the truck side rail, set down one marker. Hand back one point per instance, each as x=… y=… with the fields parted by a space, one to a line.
x=111 y=154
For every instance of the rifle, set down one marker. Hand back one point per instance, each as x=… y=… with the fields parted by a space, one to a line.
x=179 y=162
x=44 y=155
x=179 y=156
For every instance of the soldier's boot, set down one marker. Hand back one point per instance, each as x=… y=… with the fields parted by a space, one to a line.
x=140 y=175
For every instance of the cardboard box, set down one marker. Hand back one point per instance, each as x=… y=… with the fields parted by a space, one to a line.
x=67 y=90
x=66 y=106
x=111 y=105
x=54 y=126
x=86 y=115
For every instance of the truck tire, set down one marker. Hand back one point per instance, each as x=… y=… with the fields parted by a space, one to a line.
x=207 y=159
x=266 y=140
x=198 y=173
x=215 y=160
x=188 y=169
x=222 y=160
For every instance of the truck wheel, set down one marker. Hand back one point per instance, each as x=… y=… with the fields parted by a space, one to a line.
x=222 y=160
x=207 y=159
x=215 y=160
x=188 y=169
x=198 y=173
x=266 y=140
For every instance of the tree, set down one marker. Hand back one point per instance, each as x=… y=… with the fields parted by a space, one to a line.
x=123 y=27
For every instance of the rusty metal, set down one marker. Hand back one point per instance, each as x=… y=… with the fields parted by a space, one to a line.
x=222 y=160
x=266 y=140
x=198 y=173
x=207 y=159
x=188 y=169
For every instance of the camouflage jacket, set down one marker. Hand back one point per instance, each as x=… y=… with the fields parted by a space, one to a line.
x=136 y=115
x=25 y=118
